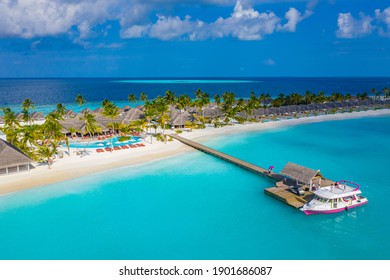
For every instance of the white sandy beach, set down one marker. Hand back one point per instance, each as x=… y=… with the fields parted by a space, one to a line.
x=74 y=166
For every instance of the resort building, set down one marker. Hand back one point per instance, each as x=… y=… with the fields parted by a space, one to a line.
x=12 y=160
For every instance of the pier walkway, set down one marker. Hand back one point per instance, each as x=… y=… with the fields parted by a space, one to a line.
x=280 y=191
x=241 y=163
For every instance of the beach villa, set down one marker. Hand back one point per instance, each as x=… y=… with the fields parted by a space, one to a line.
x=12 y=160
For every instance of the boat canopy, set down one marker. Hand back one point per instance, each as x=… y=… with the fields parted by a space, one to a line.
x=331 y=193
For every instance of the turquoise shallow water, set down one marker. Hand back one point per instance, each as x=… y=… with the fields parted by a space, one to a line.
x=186 y=81
x=198 y=207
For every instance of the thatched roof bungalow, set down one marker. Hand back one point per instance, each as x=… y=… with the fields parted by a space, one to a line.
x=12 y=159
x=180 y=119
x=132 y=115
x=301 y=174
x=36 y=116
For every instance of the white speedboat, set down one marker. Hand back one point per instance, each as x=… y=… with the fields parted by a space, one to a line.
x=341 y=196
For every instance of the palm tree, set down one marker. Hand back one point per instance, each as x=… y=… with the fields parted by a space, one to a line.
x=61 y=110
x=229 y=100
x=161 y=105
x=73 y=131
x=111 y=111
x=149 y=113
x=52 y=129
x=29 y=137
x=46 y=153
x=320 y=97
x=26 y=105
x=217 y=99
x=386 y=92
x=295 y=98
x=308 y=97
x=205 y=100
x=143 y=97
x=170 y=97
x=11 y=124
x=90 y=123
x=279 y=101
x=105 y=102
x=80 y=100
x=373 y=91
x=131 y=98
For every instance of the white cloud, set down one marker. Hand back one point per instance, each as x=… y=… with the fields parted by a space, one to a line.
x=168 y=28
x=269 y=62
x=350 y=27
x=243 y=24
x=135 y=31
x=28 y=19
x=80 y=20
x=293 y=17
x=383 y=18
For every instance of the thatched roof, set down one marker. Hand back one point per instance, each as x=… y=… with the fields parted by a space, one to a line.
x=37 y=116
x=132 y=115
x=209 y=113
x=86 y=110
x=11 y=156
x=300 y=173
x=181 y=119
x=126 y=108
x=19 y=116
x=98 y=110
x=70 y=114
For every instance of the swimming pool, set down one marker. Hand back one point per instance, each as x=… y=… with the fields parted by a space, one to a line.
x=110 y=142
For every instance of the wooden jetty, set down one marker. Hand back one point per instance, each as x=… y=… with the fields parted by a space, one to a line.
x=241 y=163
x=281 y=191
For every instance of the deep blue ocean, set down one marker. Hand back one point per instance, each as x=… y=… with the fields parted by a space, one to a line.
x=194 y=206
x=45 y=93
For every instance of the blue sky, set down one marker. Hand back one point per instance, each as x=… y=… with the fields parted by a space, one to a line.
x=206 y=38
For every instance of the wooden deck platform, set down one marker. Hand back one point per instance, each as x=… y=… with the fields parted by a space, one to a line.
x=281 y=193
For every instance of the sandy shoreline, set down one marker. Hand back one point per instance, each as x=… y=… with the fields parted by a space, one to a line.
x=74 y=166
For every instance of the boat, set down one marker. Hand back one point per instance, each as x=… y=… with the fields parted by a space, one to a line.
x=341 y=196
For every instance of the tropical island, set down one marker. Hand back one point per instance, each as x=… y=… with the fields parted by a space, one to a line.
x=72 y=144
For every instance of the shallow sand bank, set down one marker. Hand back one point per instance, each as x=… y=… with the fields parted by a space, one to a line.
x=74 y=166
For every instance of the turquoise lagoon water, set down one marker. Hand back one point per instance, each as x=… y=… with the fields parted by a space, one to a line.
x=197 y=207
x=208 y=81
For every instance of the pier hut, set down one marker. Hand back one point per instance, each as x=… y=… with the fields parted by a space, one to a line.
x=302 y=175
x=12 y=159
